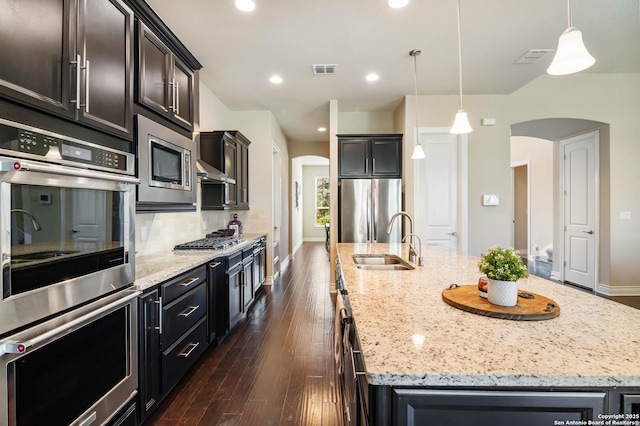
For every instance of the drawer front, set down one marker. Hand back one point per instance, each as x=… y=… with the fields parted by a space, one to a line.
x=183 y=313
x=177 y=360
x=183 y=283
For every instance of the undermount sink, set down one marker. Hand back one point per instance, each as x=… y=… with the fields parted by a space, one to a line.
x=384 y=262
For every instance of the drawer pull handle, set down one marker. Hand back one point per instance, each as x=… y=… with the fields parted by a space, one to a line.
x=192 y=347
x=189 y=282
x=189 y=311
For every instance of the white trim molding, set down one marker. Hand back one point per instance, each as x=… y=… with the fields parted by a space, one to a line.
x=618 y=290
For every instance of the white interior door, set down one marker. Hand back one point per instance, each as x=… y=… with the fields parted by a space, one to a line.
x=580 y=200
x=436 y=194
x=89 y=215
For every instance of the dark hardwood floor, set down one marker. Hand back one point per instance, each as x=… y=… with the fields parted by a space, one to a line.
x=277 y=367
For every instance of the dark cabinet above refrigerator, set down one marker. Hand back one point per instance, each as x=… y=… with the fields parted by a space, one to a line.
x=369 y=156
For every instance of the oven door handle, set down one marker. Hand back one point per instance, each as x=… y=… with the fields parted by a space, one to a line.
x=12 y=347
x=61 y=170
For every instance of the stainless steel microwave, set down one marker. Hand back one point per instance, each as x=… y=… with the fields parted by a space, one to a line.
x=166 y=166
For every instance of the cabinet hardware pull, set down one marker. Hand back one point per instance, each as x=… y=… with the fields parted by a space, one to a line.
x=189 y=311
x=214 y=265
x=77 y=99
x=86 y=86
x=353 y=364
x=193 y=348
x=176 y=85
x=159 y=303
x=188 y=282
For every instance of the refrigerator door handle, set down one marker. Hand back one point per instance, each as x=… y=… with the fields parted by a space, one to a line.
x=369 y=212
x=373 y=236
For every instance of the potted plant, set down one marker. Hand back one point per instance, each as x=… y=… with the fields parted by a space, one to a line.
x=503 y=268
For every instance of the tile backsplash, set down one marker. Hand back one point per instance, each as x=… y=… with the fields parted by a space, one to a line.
x=157 y=232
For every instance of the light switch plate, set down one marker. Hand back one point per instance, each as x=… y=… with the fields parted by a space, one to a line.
x=490 y=200
x=624 y=215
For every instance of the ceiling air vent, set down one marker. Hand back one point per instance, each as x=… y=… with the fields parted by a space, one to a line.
x=533 y=56
x=323 y=69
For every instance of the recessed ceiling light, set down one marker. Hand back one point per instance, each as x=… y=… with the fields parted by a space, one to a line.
x=372 y=76
x=322 y=129
x=397 y=4
x=275 y=79
x=245 y=5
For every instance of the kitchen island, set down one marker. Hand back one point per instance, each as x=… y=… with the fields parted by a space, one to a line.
x=420 y=355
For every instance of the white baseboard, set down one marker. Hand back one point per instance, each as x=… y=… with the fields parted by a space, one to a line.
x=626 y=290
x=313 y=239
x=284 y=265
x=297 y=247
x=555 y=275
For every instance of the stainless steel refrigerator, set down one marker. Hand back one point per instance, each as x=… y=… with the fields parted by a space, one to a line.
x=366 y=205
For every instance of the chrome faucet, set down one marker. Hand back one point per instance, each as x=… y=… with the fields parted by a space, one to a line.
x=412 y=247
x=412 y=250
x=34 y=221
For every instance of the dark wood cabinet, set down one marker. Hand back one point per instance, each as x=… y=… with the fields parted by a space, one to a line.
x=228 y=151
x=149 y=353
x=165 y=83
x=173 y=334
x=369 y=156
x=71 y=58
x=247 y=278
x=464 y=407
x=235 y=292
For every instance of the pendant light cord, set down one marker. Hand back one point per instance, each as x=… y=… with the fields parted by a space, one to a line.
x=459 y=56
x=569 y=13
x=415 y=53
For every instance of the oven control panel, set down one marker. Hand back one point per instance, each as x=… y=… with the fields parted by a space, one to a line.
x=27 y=142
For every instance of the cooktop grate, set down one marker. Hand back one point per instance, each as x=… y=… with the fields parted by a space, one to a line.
x=213 y=243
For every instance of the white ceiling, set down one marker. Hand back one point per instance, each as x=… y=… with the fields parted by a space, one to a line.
x=239 y=51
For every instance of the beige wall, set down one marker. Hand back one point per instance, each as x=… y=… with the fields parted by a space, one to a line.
x=366 y=122
x=539 y=154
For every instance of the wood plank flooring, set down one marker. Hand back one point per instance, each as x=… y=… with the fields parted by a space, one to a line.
x=277 y=367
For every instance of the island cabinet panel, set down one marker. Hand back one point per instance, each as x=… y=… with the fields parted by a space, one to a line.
x=370 y=156
x=70 y=58
x=497 y=408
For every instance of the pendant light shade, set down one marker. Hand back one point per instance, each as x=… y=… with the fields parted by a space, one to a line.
x=571 y=55
x=461 y=123
x=418 y=153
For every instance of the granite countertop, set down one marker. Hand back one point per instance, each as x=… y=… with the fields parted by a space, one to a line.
x=410 y=337
x=156 y=268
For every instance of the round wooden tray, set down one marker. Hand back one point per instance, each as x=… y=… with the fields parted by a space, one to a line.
x=467 y=298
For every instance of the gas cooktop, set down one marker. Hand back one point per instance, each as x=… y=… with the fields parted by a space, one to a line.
x=211 y=243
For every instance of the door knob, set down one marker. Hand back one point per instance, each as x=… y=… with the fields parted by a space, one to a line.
x=588 y=232
x=453 y=234
x=74 y=230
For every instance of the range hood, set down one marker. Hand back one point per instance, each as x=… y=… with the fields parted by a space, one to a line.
x=206 y=172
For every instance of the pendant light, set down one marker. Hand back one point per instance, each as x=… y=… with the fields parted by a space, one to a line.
x=571 y=55
x=418 y=153
x=461 y=123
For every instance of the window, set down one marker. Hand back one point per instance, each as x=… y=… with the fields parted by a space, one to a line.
x=322 y=200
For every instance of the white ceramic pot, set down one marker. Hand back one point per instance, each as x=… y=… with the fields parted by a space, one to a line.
x=502 y=293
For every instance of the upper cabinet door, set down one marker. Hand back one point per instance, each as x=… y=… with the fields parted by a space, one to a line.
x=354 y=158
x=37 y=50
x=386 y=157
x=106 y=47
x=165 y=83
x=182 y=93
x=154 y=63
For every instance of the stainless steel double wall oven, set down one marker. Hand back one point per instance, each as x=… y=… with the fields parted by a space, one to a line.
x=68 y=316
